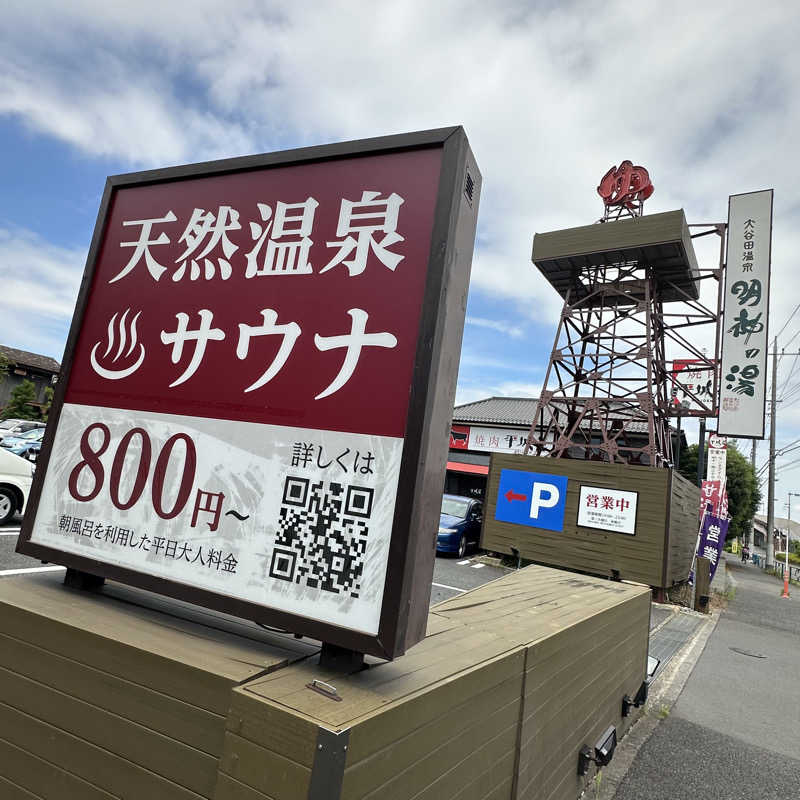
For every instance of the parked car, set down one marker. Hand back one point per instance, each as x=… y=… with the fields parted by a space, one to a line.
x=14 y=427
x=26 y=448
x=22 y=439
x=459 y=524
x=7 y=425
x=15 y=484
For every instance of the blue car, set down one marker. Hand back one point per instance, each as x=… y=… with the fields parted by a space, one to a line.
x=29 y=451
x=27 y=445
x=459 y=524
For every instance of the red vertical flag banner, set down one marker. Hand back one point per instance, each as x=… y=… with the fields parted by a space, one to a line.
x=258 y=382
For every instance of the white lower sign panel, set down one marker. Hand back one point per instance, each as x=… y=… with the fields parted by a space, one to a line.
x=607 y=509
x=194 y=500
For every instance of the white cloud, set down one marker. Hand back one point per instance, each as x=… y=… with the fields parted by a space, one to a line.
x=514 y=331
x=479 y=390
x=470 y=394
x=38 y=291
x=472 y=360
x=134 y=123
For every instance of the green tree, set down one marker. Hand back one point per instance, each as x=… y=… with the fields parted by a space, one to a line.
x=48 y=401
x=19 y=403
x=3 y=367
x=741 y=483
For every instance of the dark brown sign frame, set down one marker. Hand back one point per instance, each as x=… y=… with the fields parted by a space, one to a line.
x=412 y=547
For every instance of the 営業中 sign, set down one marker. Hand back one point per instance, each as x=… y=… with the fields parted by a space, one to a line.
x=258 y=381
x=743 y=371
x=607 y=509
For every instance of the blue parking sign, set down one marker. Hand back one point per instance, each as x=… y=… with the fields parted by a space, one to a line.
x=532 y=498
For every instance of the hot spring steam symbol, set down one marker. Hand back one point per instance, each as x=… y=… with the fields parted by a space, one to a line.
x=126 y=334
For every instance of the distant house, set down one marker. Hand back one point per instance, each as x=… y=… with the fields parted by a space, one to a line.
x=42 y=371
x=781 y=528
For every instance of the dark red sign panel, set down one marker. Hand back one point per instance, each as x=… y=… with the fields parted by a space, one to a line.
x=291 y=296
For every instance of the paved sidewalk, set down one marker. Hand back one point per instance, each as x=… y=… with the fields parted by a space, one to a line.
x=734 y=733
x=721 y=581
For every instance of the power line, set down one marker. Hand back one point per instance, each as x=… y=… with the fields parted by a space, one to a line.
x=794 y=401
x=797 y=333
x=788 y=376
x=791 y=394
x=791 y=463
x=785 y=324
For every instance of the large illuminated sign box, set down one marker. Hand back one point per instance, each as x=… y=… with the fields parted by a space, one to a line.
x=258 y=382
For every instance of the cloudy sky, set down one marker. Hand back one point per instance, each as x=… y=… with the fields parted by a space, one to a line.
x=551 y=95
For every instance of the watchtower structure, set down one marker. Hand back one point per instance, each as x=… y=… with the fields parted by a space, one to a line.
x=607 y=374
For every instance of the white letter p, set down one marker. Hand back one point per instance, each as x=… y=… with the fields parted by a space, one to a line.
x=538 y=501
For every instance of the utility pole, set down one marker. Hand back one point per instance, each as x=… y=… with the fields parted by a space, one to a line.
x=752 y=532
x=771 y=481
x=701 y=452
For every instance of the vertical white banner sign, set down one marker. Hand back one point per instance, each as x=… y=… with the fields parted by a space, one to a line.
x=743 y=375
x=717 y=458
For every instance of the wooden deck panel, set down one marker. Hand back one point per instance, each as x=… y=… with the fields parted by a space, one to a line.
x=539 y=658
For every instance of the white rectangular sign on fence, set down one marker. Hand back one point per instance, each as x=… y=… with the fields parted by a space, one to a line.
x=743 y=375
x=607 y=509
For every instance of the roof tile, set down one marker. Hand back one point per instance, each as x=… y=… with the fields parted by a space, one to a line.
x=26 y=359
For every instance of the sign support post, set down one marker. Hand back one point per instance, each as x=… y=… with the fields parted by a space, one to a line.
x=701 y=452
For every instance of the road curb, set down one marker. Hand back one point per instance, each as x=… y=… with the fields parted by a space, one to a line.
x=663 y=695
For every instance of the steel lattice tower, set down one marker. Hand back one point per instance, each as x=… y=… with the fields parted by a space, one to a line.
x=607 y=377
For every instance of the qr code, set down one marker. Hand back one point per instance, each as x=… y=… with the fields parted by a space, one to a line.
x=322 y=535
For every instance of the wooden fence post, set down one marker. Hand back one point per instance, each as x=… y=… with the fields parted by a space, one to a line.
x=702 y=584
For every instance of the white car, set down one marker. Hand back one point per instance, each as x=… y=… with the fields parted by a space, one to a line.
x=16 y=427
x=16 y=475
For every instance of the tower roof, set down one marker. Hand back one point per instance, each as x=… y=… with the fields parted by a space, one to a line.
x=661 y=241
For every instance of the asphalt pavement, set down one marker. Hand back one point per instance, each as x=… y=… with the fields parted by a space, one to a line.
x=9 y=560
x=453 y=576
x=734 y=733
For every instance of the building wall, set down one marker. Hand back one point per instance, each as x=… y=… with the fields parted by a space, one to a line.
x=465 y=485
x=16 y=375
x=683 y=527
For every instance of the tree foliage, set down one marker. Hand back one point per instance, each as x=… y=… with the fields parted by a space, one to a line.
x=741 y=483
x=19 y=403
x=3 y=367
x=48 y=402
